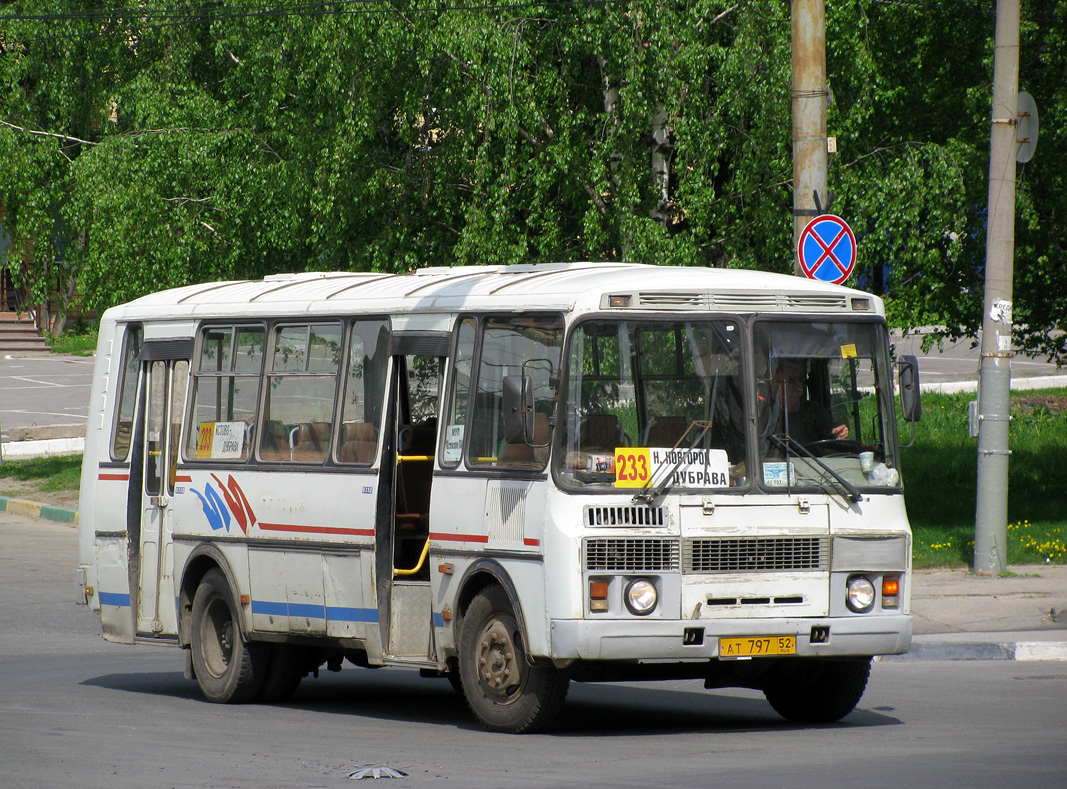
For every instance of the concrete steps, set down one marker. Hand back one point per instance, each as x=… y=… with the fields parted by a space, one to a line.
x=18 y=334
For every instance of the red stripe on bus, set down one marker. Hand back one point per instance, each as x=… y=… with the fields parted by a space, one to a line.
x=116 y=477
x=315 y=529
x=459 y=537
x=530 y=542
x=183 y=479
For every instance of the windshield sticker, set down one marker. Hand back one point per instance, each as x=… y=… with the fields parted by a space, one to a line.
x=778 y=474
x=849 y=351
x=453 y=444
x=637 y=467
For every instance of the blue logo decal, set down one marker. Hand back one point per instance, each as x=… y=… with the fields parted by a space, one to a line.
x=214 y=508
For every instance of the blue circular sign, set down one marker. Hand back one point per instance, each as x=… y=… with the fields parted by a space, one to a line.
x=827 y=249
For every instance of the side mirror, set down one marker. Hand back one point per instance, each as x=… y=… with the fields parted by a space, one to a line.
x=518 y=409
x=911 y=403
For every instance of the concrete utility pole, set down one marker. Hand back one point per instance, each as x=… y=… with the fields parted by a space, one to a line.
x=809 y=116
x=994 y=378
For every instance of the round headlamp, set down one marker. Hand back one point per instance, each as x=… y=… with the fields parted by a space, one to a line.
x=641 y=597
x=859 y=594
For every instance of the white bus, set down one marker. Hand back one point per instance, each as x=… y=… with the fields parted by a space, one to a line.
x=509 y=476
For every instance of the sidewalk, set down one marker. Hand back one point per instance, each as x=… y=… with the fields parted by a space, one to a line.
x=958 y=615
x=961 y=616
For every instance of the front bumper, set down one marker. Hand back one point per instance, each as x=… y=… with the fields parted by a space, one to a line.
x=666 y=639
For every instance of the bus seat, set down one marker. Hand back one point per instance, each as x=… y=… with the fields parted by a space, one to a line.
x=359 y=442
x=275 y=444
x=522 y=454
x=600 y=432
x=311 y=441
x=664 y=431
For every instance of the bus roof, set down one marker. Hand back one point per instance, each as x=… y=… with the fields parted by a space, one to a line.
x=578 y=287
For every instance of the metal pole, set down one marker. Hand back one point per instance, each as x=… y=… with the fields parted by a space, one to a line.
x=994 y=381
x=809 y=115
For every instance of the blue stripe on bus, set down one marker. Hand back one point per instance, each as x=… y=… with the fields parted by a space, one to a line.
x=331 y=613
x=340 y=614
x=115 y=598
x=271 y=609
x=307 y=611
x=438 y=620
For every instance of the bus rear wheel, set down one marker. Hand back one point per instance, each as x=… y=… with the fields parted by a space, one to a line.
x=505 y=693
x=229 y=669
x=812 y=690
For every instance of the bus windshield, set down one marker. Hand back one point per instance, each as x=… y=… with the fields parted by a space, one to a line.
x=824 y=405
x=673 y=386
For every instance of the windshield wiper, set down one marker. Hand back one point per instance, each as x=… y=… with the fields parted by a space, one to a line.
x=847 y=489
x=649 y=494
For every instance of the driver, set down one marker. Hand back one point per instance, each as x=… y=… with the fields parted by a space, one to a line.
x=804 y=420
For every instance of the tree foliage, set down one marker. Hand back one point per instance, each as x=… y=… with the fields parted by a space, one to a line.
x=152 y=146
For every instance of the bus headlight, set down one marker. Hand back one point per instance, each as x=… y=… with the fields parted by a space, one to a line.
x=641 y=597
x=859 y=594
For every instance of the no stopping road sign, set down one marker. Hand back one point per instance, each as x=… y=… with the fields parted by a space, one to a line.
x=827 y=249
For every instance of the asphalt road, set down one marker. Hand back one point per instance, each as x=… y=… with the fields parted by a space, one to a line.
x=77 y=711
x=44 y=390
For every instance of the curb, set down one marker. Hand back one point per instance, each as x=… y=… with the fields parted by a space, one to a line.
x=44 y=447
x=1023 y=651
x=33 y=509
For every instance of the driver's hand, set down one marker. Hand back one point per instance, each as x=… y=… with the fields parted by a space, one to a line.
x=841 y=432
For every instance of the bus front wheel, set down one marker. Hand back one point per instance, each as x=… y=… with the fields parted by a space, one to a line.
x=813 y=690
x=505 y=693
x=229 y=669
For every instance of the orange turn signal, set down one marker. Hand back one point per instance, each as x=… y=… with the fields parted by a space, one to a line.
x=890 y=586
x=598 y=590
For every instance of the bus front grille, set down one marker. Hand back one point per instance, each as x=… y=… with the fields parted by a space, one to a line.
x=625 y=516
x=632 y=555
x=755 y=554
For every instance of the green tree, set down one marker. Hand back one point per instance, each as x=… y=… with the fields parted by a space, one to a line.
x=155 y=146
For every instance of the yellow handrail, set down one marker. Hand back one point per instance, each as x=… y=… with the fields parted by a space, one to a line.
x=401 y=458
x=417 y=567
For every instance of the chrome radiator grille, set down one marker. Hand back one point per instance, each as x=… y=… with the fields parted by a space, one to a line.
x=632 y=555
x=755 y=554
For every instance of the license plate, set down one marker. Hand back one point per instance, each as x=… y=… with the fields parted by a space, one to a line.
x=756 y=646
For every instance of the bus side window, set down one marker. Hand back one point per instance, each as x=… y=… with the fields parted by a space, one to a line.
x=363 y=399
x=224 y=390
x=526 y=345
x=126 y=401
x=301 y=387
x=459 y=394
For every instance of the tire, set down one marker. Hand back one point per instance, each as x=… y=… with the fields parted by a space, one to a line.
x=229 y=669
x=286 y=670
x=812 y=690
x=505 y=693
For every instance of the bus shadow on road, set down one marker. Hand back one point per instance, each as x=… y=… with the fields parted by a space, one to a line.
x=591 y=710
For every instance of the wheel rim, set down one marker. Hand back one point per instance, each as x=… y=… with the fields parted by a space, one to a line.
x=499 y=664
x=217 y=631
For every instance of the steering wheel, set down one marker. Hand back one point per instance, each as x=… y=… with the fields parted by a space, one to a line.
x=834 y=448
